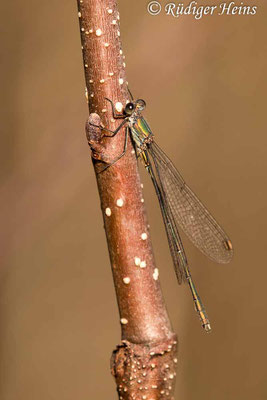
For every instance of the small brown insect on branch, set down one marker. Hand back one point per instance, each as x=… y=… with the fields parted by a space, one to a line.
x=144 y=363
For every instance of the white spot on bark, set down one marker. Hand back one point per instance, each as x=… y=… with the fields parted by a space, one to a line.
x=102 y=80
x=142 y=264
x=137 y=261
x=79 y=14
x=119 y=106
x=98 y=32
x=119 y=202
x=114 y=22
x=108 y=211
x=142 y=200
x=106 y=44
x=156 y=274
x=111 y=73
x=126 y=280
x=124 y=321
x=144 y=236
x=120 y=81
x=110 y=11
x=119 y=33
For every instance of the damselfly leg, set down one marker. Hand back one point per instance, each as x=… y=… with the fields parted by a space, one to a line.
x=113 y=133
x=121 y=155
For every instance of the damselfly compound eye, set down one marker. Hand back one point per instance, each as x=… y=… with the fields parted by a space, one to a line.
x=129 y=108
x=140 y=104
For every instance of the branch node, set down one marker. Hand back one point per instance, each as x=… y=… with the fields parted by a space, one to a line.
x=94 y=136
x=145 y=371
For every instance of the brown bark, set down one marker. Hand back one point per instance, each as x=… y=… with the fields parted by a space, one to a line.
x=144 y=363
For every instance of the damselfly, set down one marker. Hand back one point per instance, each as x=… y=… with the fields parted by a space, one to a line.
x=179 y=205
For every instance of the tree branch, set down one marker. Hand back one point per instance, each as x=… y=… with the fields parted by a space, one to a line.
x=144 y=363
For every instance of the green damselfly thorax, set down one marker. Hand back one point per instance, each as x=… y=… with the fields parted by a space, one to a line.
x=179 y=205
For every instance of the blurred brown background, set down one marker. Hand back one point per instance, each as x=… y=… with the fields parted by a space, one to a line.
x=58 y=313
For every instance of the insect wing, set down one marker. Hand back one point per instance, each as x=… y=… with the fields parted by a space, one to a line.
x=188 y=211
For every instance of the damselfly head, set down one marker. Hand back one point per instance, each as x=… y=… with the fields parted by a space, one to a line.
x=138 y=105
